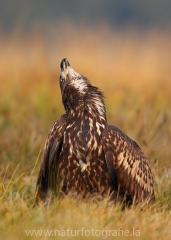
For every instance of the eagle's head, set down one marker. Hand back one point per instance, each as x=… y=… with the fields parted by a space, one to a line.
x=70 y=77
x=77 y=91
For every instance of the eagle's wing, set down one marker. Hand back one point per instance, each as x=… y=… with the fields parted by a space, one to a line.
x=47 y=177
x=127 y=165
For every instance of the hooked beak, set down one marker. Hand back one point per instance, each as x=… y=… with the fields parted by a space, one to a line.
x=64 y=64
x=66 y=69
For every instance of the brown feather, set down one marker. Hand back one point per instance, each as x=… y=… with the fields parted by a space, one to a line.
x=47 y=177
x=131 y=166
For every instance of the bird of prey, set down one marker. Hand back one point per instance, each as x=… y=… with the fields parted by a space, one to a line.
x=84 y=155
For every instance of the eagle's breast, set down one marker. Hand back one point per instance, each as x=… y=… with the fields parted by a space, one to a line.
x=82 y=164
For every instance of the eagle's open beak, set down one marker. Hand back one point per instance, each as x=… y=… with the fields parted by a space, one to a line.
x=64 y=64
x=66 y=69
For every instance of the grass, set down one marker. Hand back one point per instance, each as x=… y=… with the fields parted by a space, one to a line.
x=133 y=70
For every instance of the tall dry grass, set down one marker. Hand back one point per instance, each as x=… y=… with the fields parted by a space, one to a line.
x=133 y=70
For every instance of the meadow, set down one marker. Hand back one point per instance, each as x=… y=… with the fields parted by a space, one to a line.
x=133 y=70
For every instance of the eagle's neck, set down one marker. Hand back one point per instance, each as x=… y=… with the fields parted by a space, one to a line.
x=86 y=122
x=89 y=102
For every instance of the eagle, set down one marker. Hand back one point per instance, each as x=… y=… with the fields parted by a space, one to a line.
x=84 y=155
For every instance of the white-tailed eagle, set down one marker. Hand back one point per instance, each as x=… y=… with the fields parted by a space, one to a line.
x=85 y=155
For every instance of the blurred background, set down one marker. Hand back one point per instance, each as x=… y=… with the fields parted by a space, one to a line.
x=123 y=47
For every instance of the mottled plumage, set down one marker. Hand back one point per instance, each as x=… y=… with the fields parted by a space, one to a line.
x=84 y=155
